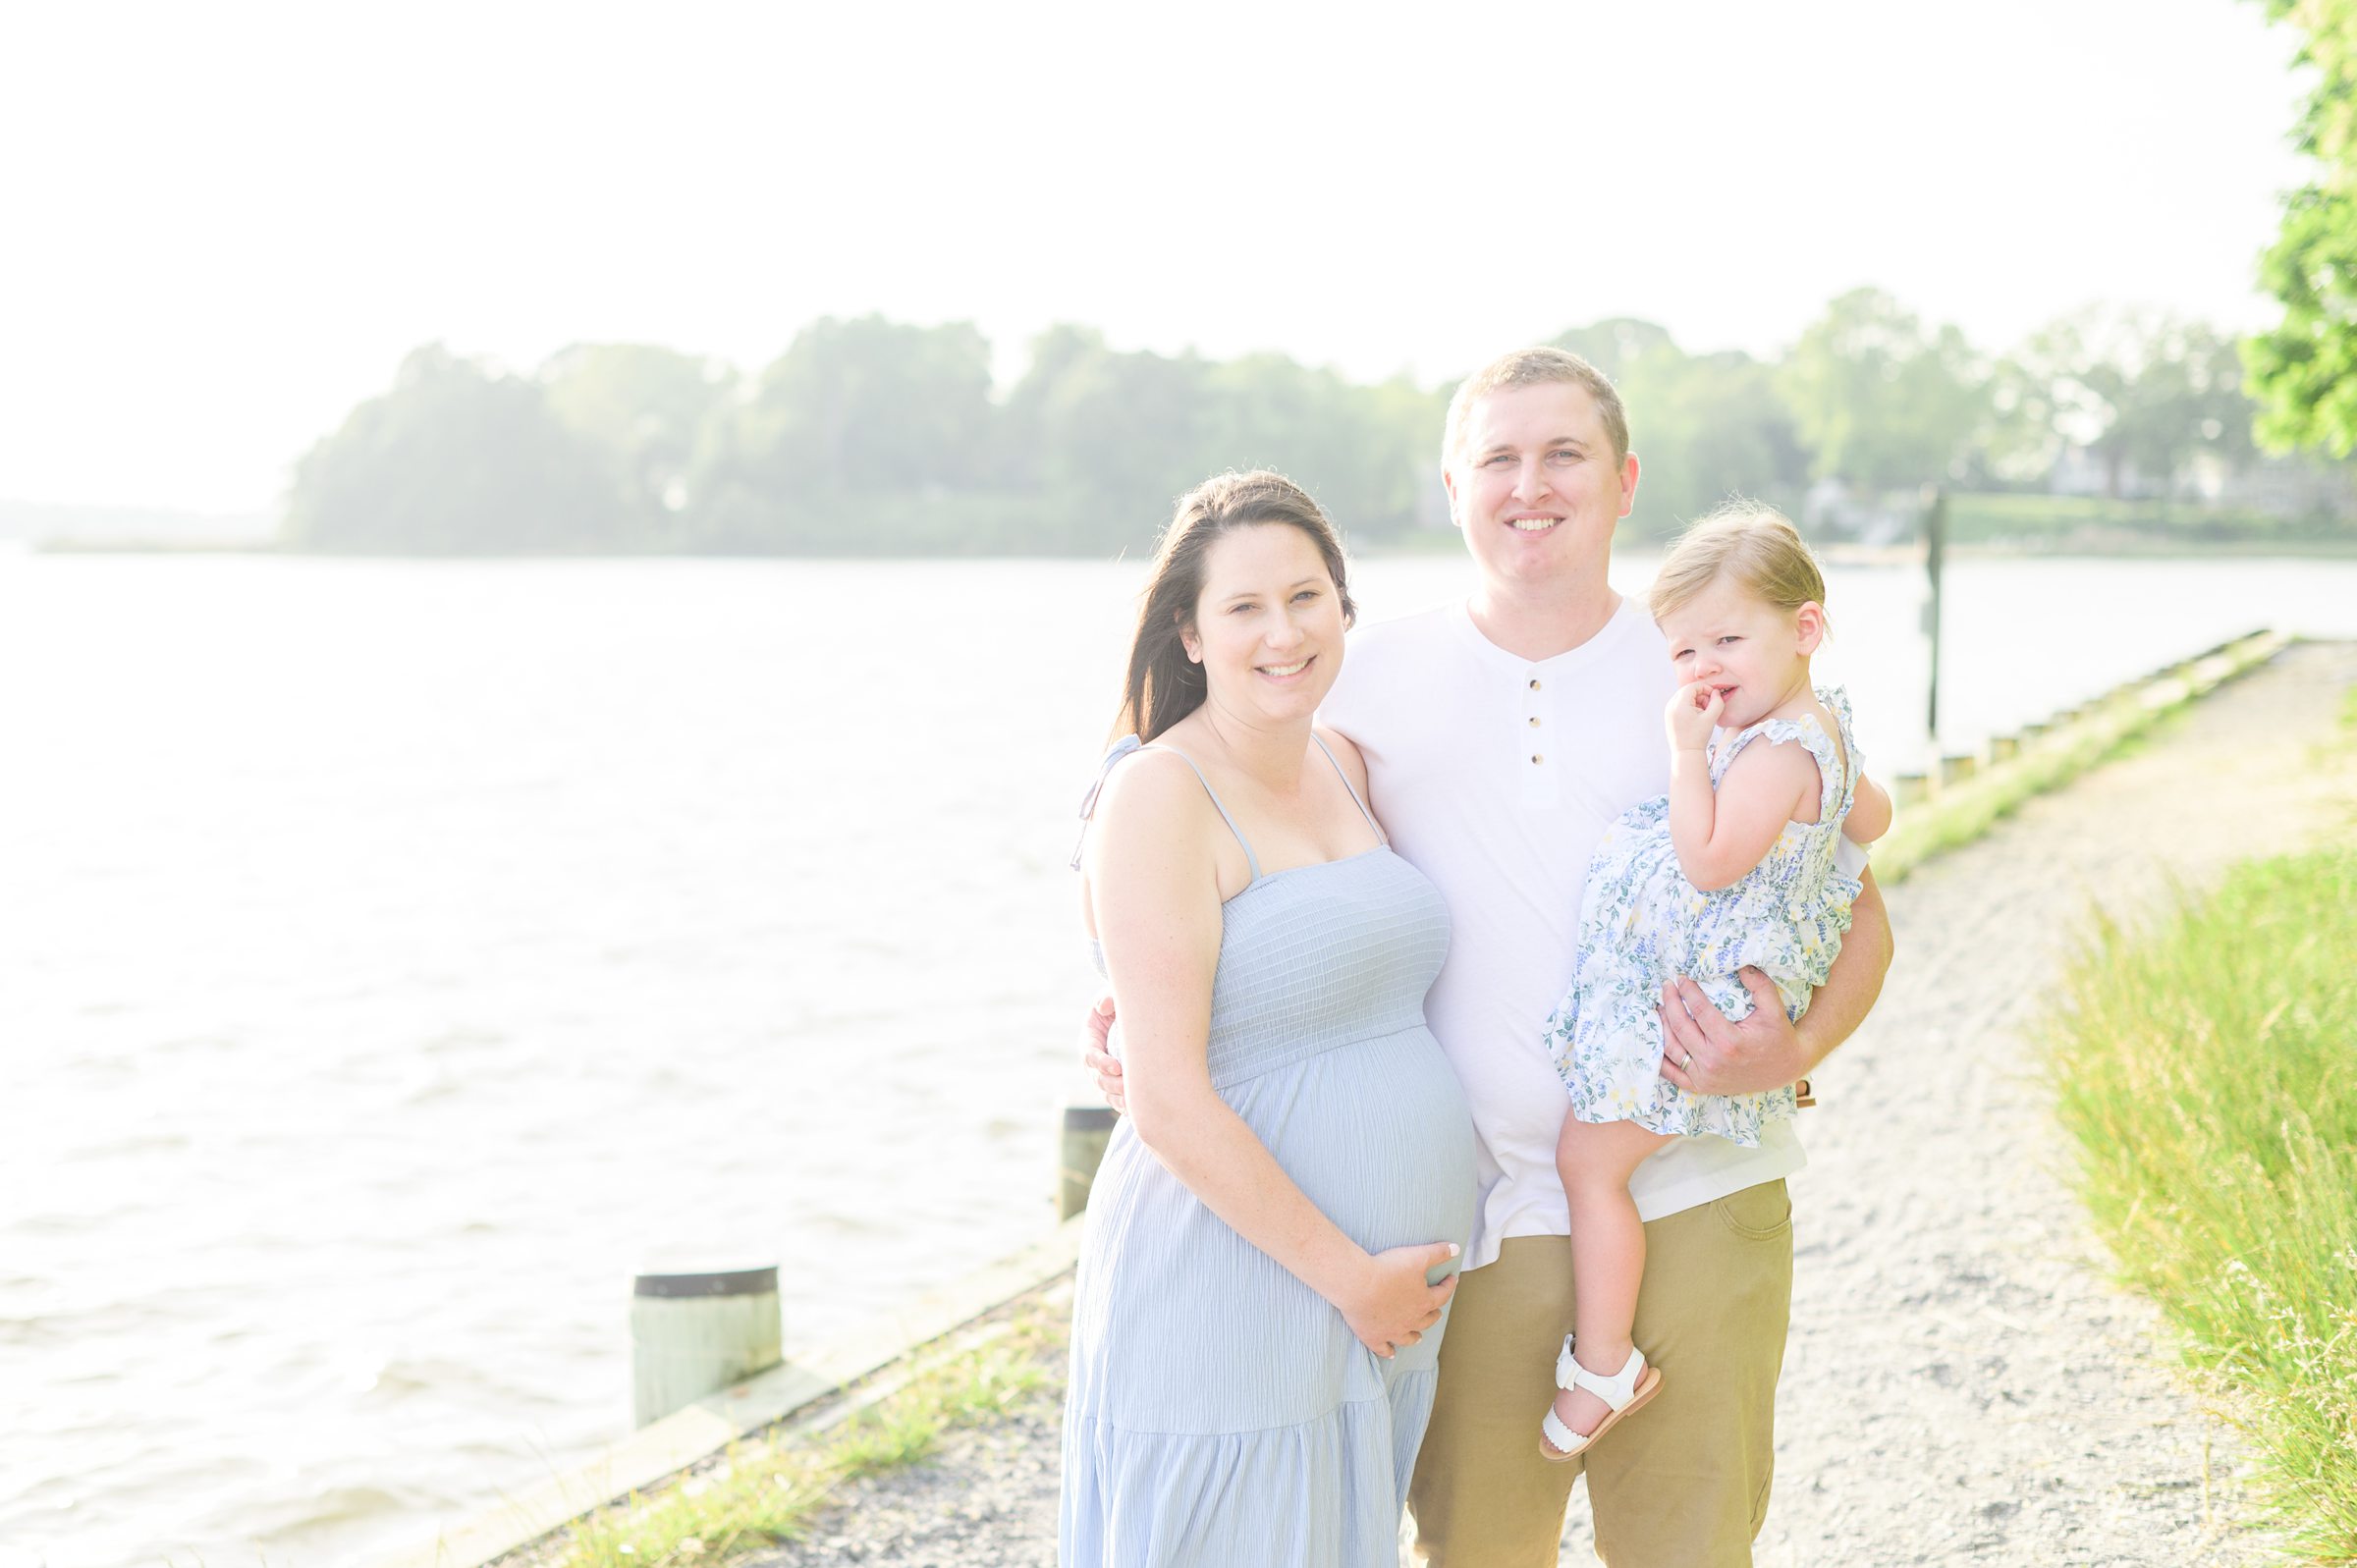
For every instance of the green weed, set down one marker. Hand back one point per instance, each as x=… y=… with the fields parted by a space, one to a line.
x=2208 y=1072
x=762 y=1492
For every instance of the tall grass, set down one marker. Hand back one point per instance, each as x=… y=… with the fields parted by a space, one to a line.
x=760 y=1493
x=2209 y=1073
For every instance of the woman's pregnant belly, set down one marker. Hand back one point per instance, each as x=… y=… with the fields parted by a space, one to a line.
x=1375 y=1133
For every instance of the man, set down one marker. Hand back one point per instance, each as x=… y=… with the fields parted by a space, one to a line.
x=1503 y=734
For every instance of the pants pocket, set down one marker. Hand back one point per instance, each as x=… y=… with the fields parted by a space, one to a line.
x=1757 y=1213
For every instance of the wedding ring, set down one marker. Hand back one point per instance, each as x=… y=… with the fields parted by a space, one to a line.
x=1687 y=1066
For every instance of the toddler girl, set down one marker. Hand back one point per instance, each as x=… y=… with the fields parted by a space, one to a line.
x=1734 y=866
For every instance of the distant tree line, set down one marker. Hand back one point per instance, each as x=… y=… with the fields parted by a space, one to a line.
x=874 y=437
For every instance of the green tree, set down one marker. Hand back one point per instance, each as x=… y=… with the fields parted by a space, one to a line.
x=851 y=441
x=1619 y=346
x=2303 y=372
x=1109 y=440
x=645 y=408
x=875 y=404
x=1362 y=453
x=2143 y=391
x=457 y=458
x=1880 y=400
x=1705 y=427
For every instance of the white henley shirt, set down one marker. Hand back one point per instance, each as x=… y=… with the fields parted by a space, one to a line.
x=1495 y=776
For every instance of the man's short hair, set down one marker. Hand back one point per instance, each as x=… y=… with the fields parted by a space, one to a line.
x=1534 y=367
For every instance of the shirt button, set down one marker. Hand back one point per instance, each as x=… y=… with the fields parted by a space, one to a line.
x=1534 y=683
x=1534 y=720
x=1534 y=756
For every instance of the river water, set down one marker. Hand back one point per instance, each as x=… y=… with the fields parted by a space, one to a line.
x=398 y=955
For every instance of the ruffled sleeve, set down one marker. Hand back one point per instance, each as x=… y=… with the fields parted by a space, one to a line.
x=1835 y=786
x=1837 y=703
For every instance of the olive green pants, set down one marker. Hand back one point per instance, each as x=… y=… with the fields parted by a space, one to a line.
x=1680 y=1484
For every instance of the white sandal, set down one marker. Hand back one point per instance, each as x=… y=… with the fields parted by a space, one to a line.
x=1624 y=1390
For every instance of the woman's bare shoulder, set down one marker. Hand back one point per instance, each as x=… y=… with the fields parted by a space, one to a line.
x=1153 y=789
x=1151 y=849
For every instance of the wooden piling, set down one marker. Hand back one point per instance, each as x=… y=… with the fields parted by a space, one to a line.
x=2003 y=749
x=693 y=1335
x=1912 y=788
x=1934 y=551
x=1079 y=1152
x=1957 y=766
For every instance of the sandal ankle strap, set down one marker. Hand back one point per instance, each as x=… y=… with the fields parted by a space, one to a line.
x=1615 y=1390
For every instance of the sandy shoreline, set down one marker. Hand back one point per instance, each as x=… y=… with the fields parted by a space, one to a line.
x=1962 y=1382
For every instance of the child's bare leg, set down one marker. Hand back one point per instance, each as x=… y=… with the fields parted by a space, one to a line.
x=1596 y=1158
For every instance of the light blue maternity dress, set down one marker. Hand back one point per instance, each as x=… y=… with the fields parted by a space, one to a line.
x=1220 y=1415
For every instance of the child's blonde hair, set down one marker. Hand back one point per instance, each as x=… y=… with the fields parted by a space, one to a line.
x=1755 y=546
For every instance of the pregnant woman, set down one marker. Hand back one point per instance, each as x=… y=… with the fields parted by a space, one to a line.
x=1256 y=1323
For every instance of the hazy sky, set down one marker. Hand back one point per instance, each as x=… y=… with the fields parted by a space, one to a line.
x=226 y=224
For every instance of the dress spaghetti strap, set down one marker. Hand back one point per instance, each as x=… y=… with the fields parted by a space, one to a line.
x=1218 y=805
x=1355 y=799
x=1130 y=743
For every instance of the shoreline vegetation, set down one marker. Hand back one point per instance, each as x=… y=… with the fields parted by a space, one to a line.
x=1981 y=526
x=871 y=437
x=2205 y=1072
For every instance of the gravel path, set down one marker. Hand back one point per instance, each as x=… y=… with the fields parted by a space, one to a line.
x=1962 y=1384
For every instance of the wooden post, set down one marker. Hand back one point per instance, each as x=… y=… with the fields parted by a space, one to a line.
x=1912 y=788
x=2032 y=734
x=1957 y=766
x=2003 y=749
x=694 y=1335
x=1078 y=1153
x=1935 y=552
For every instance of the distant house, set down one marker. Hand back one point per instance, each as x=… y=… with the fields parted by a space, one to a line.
x=1831 y=508
x=2278 y=487
x=2078 y=471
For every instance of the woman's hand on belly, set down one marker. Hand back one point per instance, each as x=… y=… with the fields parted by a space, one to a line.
x=1389 y=1305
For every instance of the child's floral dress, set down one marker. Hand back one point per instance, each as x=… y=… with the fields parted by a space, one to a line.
x=1644 y=922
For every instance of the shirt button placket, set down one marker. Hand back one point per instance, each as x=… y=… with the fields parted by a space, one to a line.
x=1542 y=780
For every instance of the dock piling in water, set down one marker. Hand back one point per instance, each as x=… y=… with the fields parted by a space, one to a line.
x=693 y=1335
x=1080 y=1149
